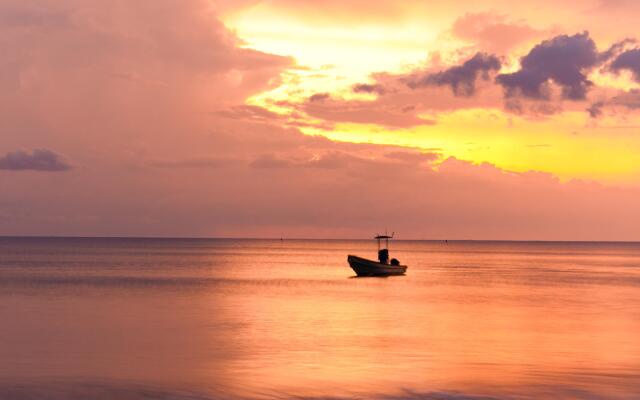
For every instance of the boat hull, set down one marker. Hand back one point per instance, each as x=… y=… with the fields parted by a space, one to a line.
x=364 y=267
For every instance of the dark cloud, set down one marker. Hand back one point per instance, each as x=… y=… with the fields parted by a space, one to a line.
x=461 y=78
x=628 y=60
x=630 y=99
x=532 y=109
x=563 y=60
x=38 y=160
x=368 y=88
x=319 y=97
x=595 y=109
x=616 y=48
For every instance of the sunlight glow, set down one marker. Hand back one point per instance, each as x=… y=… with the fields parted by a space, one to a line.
x=512 y=143
x=331 y=58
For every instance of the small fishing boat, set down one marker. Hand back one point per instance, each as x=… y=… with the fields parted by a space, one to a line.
x=382 y=267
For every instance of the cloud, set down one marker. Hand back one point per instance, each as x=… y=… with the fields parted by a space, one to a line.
x=58 y=41
x=457 y=198
x=492 y=32
x=249 y=113
x=412 y=156
x=368 y=88
x=37 y=160
x=565 y=60
x=319 y=97
x=331 y=158
x=625 y=100
x=365 y=112
x=628 y=60
x=460 y=78
x=616 y=48
x=270 y=161
x=629 y=99
x=595 y=109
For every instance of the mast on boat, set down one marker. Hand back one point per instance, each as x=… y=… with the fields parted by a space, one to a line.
x=384 y=237
x=383 y=254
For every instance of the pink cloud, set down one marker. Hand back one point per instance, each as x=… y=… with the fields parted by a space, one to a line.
x=493 y=32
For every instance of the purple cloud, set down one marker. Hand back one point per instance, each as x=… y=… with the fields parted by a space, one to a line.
x=461 y=78
x=563 y=60
x=629 y=60
x=615 y=49
x=38 y=160
x=319 y=97
x=368 y=88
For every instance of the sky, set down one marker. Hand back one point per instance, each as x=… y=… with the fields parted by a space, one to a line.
x=312 y=119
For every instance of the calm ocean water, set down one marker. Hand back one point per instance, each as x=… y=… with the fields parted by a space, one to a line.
x=258 y=319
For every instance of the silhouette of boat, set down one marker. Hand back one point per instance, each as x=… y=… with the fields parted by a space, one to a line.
x=382 y=267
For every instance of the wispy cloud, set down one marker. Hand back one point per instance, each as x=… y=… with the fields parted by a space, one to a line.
x=37 y=160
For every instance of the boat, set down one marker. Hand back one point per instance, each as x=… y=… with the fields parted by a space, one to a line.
x=382 y=267
x=364 y=267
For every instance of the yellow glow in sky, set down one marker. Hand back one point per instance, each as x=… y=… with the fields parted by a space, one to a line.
x=353 y=51
x=514 y=144
x=332 y=57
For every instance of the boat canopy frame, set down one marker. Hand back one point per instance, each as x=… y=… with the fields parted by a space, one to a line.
x=384 y=237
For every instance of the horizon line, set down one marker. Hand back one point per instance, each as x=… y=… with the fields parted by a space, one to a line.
x=301 y=238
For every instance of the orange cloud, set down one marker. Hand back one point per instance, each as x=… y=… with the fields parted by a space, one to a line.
x=493 y=32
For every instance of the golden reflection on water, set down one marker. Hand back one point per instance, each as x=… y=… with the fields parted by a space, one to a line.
x=447 y=338
x=268 y=319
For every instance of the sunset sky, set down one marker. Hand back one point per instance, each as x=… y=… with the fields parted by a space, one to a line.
x=474 y=120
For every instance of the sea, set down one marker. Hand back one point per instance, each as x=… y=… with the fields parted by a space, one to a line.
x=197 y=319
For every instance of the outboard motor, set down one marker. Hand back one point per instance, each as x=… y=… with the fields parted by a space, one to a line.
x=394 y=261
x=383 y=256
